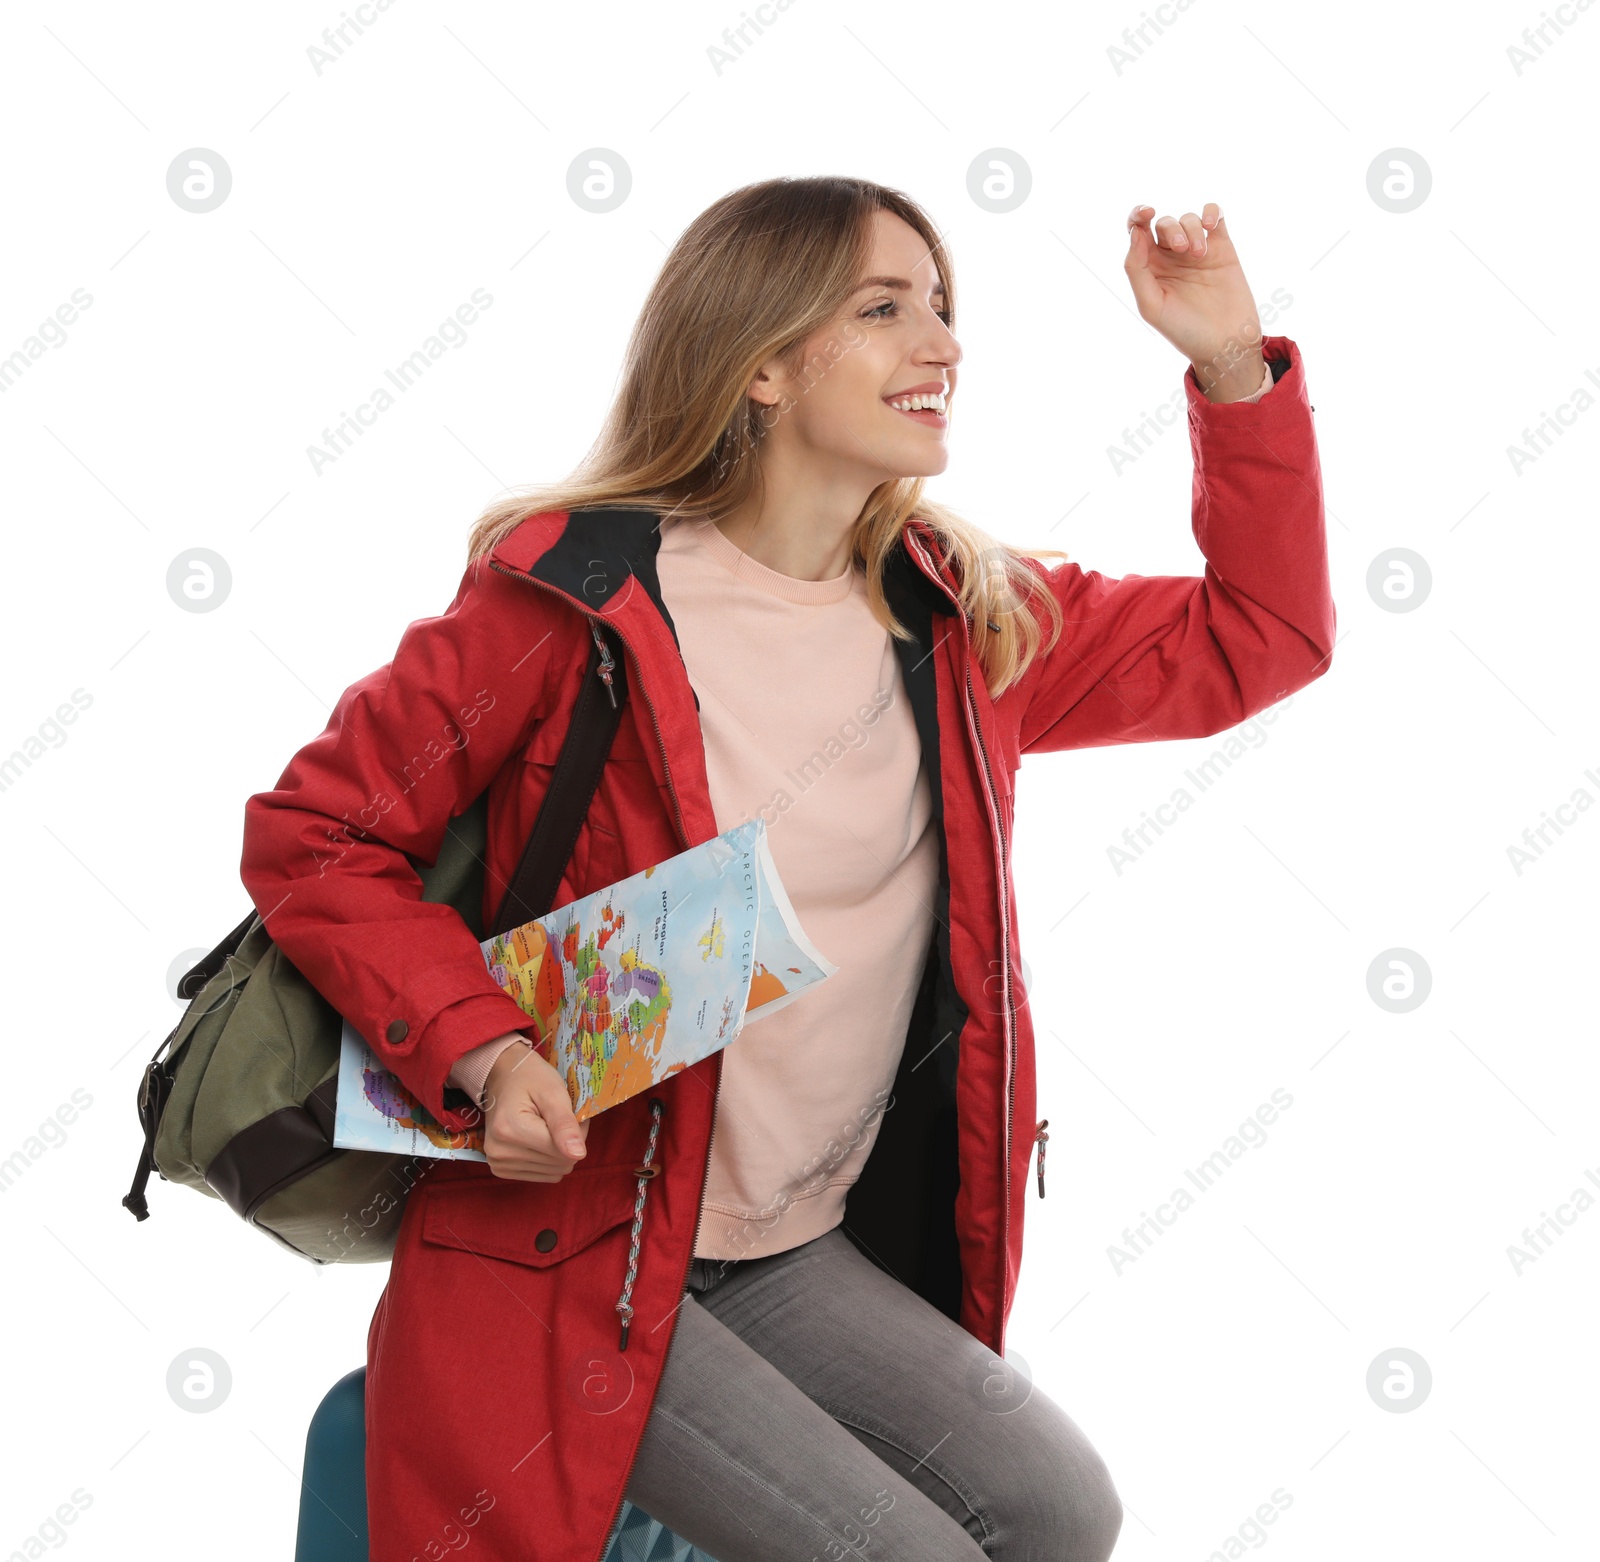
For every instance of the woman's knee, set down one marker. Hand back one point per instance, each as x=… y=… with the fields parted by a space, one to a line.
x=1062 y=1502
x=1093 y=1516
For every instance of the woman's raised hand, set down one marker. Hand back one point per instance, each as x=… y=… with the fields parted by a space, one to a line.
x=1188 y=284
x=530 y=1133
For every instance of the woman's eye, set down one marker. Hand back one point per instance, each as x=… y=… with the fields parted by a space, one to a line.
x=888 y=306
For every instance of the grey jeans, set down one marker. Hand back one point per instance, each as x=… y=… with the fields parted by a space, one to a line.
x=812 y=1407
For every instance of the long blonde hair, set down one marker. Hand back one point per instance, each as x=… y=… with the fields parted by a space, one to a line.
x=752 y=278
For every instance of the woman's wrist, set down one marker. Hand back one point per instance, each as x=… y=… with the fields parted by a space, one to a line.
x=1244 y=378
x=470 y=1072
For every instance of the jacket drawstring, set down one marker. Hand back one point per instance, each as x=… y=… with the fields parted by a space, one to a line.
x=645 y=1171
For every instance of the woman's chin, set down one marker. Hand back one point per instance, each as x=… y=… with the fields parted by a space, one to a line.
x=910 y=464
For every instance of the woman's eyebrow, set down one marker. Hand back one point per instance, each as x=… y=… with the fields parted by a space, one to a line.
x=895 y=282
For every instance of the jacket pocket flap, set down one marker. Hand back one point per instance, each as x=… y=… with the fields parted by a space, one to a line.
x=533 y=1223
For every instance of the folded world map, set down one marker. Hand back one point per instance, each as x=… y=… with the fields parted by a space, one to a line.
x=625 y=987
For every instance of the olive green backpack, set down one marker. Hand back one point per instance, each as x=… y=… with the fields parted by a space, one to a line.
x=238 y=1101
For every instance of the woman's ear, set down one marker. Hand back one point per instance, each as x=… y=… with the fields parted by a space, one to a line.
x=763 y=390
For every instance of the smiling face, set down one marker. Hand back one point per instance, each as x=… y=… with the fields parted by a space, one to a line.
x=870 y=400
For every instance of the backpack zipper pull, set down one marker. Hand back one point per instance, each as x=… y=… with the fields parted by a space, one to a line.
x=1039 y=1138
x=607 y=662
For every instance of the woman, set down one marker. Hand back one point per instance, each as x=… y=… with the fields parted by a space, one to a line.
x=784 y=1339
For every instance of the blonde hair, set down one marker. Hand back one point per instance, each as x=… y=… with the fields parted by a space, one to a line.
x=752 y=278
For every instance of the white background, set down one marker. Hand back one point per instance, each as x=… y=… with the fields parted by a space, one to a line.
x=1170 y=999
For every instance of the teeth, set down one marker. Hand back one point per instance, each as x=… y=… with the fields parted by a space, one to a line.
x=933 y=402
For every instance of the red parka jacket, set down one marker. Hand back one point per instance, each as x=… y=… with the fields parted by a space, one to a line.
x=501 y=1403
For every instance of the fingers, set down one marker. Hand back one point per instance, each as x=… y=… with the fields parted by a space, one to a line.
x=532 y=1133
x=1182 y=235
x=555 y=1107
x=1169 y=234
x=1186 y=235
x=1146 y=290
x=522 y=1146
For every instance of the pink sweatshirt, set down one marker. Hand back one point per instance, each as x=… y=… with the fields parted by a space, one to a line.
x=805 y=722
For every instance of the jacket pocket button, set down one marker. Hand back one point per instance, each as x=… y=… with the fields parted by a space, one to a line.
x=545 y=1240
x=397 y=1032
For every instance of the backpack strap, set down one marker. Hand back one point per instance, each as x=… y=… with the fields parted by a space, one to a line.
x=596 y=714
x=595 y=717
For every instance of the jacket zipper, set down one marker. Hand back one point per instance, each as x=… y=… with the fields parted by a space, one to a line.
x=683 y=837
x=1010 y=1018
x=1005 y=982
x=1040 y=1138
x=607 y=662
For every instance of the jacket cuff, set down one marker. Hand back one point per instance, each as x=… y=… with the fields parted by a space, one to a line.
x=1285 y=405
x=424 y=1055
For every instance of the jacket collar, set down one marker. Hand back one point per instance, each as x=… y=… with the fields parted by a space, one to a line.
x=602 y=555
x=603 y=561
